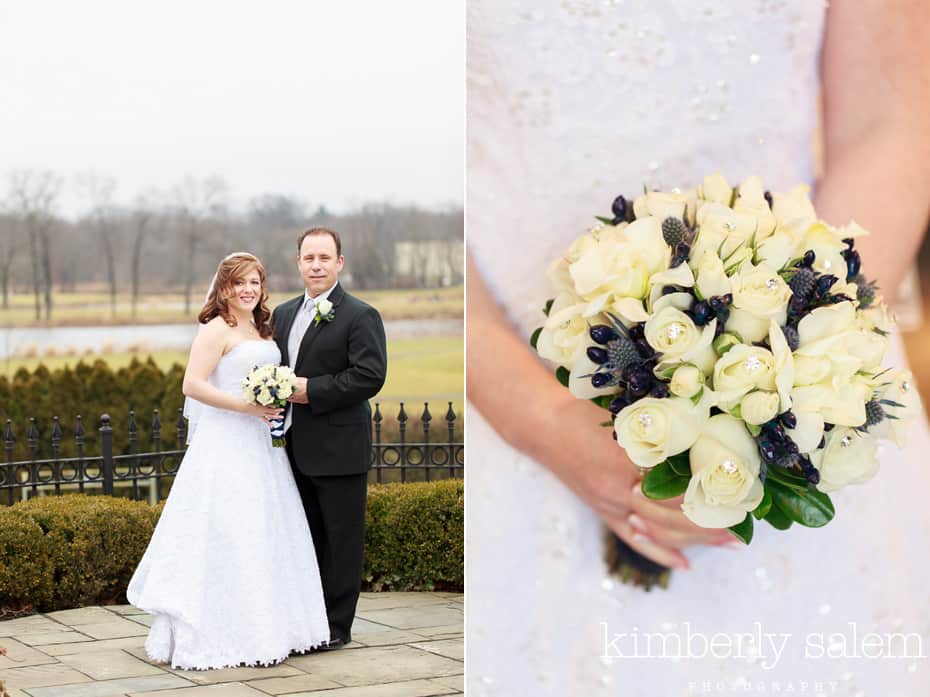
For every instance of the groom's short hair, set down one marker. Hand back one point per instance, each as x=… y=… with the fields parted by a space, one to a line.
x=320 y=231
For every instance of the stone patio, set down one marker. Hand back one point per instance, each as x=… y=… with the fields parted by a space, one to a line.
x=404 y=645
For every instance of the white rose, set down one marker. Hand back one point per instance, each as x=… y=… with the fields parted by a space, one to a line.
x=716 y=190
x=565 y=333
x=671 y=332
x=848 y=457
x=784 y=365
x=827 y=246
x=759 y=296
x=722 y=230
x=810 y=370
x=824 y=327
x=794 y=206
x=558 y=272
x=759 y=407
x=782 y=246
x=843 y=404
x=264 y=397
x=877 y=316
x=665 y=204
x=808 y=430
x=686 y=381
x=868 y=346
x=751 y=199
x=742 y=369
x=725 y=481
x=710 y=278
x=651 y=430
x=325 y=307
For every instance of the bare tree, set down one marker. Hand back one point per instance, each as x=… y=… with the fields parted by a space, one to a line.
x=98 y=190
x=144 y=219
x=196 y=202
x=9 y=247
x=32 y=197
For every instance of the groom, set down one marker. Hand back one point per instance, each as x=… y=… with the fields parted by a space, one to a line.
x=335 y=344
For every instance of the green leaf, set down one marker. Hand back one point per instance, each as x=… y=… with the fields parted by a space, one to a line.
x=764 y=506
x=810 y=508
x=562 y=375
x=680 y=464
x=606 y=221
x=743 y=530
x=534 y=339
x=662 y=482
x=548 y=306
x=786 y=477
x=777 y=518
x=603 y=401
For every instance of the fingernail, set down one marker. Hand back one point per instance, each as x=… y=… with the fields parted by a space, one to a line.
x=637 y=490
x=731 y=544
x=642 y=539
x=636 y=522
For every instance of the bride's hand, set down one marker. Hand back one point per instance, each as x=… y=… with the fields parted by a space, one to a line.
x=266 y=414
x=600 y=473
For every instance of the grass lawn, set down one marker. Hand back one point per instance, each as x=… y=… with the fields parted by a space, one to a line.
x=422 y=369
x=93 y=308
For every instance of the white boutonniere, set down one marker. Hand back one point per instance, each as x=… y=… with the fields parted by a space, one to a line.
x=324 y=312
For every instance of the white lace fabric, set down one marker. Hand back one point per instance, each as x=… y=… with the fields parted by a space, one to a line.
x=571 y=103
x=230 y=574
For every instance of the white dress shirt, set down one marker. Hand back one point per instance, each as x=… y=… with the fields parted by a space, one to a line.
x=302 y=322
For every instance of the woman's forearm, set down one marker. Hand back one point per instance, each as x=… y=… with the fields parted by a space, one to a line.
x=510 y=386
x=881 y=182
x=204 y=392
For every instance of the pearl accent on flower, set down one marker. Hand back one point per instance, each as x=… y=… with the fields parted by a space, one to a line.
x=675 y=330
x=645 y=420
x=845 y=442
x=728 y=466
x=905 y=386
x=827 y=264
x=772 y=283
x=752 y=364
x=729 y=226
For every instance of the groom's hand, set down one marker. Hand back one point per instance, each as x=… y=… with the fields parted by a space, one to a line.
x=300 y=396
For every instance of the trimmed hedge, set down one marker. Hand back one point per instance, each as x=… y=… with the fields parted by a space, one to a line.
x=60 y=552
x=415 y=536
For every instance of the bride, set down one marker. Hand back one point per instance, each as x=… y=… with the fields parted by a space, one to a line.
x=230 y=574
x=570 y=103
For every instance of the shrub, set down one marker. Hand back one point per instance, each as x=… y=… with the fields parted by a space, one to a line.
x=59 y=552
x=415 y=536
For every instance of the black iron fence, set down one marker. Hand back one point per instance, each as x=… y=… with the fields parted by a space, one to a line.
x=414 y=453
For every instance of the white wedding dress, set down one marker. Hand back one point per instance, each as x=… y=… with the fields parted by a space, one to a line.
x=571 y=103
x=230 y=574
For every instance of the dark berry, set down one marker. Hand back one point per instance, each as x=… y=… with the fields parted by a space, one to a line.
x=824 y=284
x=640 y=383
x=788 y=419
x=683 y=250
x=849 y=242
x=768 y=199
x=716 y=302
x=853 y=264
x=813 y=476
x=618 y=404
x=599 y=380
x=597 y=355
x=723 y=314
x=601 y=333
x=809 y=258
x=644 y=349
x=767 y=450
x=660 y=390
x=702 y=313
x=619 y=207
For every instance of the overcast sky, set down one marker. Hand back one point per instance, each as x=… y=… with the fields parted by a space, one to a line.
x=337 y=102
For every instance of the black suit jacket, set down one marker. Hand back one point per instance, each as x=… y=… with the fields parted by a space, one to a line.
x=345 y=363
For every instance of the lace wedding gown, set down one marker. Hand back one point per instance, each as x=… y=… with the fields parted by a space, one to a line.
x=230 y=574
x=569 y=104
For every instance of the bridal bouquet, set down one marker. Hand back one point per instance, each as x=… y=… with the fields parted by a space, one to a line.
x=737 y=346
x=270 y=385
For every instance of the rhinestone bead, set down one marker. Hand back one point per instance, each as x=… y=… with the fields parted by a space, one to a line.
x=845 y=442
x=675 y=330
x=752 y=364
x=729 y=466
x=771 y=284
x=645 y=420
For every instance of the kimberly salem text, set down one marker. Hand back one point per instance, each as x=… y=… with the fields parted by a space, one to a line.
x=683 y=641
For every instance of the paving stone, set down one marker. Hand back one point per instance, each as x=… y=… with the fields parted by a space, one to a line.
x=41 y=676
x=406 y=688
x=360 y=625
x=209 y=677
x=232 y=689
x=126 y=610
x=456 y=682
x=34 y=624
x=414 y=618
x=367 y=666
x=450 y=648
x=45 y=638
x=110 y=664
x=386 y=637
x=446 y=631
x=296 y=683
x=134 y=642
x=81 y=615
x=18 y=655
x=114 y=628
x=145 y=620
x=112 y=688
x=386 y=601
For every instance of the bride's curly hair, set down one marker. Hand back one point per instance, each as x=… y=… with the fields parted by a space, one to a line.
x=232 y=268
